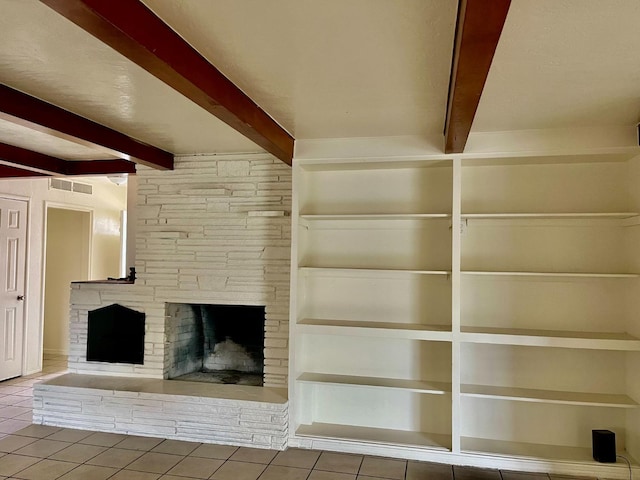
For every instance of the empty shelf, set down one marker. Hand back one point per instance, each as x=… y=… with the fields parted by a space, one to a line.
x=550 y=274
x=376 y=435
x=586 y=215
x=377 y=216
x=370 y=271
x=526 y=450
x=376 y=329
x=551 y=338
x=548 y=396
x=418 y=386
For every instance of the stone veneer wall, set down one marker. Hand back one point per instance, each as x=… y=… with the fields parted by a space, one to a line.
x=216 y=229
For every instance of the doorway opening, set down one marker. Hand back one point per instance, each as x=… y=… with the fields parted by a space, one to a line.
x=67 y=259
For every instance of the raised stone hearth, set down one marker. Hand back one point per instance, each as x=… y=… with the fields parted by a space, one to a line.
x=226 y=414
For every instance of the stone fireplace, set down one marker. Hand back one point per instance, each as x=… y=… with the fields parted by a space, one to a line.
x=214 y=231
x=216 y=343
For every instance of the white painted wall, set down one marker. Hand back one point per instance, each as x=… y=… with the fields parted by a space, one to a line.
x=107 y=201
x=67 y=260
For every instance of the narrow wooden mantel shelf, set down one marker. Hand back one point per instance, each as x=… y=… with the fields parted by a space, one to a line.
x=117 y=281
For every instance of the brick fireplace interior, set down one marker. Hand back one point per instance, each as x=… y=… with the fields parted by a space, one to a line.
x=216 y=343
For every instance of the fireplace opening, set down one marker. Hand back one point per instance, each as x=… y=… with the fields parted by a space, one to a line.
x=216 y=343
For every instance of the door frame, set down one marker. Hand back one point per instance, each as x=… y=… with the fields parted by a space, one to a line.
x=27 y=269
x=43 y=268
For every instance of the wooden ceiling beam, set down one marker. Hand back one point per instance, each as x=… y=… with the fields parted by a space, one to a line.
x=40 y=164
x=100 y=167
x=478 y=30
x=22 y=109
x=31 y=161
x=133 y=30
x=8 y=171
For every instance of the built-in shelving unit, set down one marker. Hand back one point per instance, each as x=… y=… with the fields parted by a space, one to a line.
x=486 y=310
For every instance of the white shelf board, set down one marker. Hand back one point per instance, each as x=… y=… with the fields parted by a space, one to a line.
x=550 y=274
x=369 y=271
x=548 y=396
x=587 y=215
x=533 y=451
x=410 y=331
x=375 y=435
x=377 y=216
x=550 y=338
x=525 y=450
x=417 y=386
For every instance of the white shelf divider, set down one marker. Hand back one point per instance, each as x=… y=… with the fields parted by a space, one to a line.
x=586 y=215
x=551 y=338
x=376 y=435
x=532 y=451
x=376 y=216
x=550 y=274
x=417 y=386
x=369 y=271
x=411 y=331
x=548 y=396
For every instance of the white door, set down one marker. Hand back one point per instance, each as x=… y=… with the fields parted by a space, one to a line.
x=13 y=236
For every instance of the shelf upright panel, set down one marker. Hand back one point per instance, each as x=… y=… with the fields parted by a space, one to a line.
x=456 y=249
x=295 y=290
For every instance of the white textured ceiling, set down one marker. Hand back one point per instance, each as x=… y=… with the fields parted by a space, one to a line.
x=562 y=64
x=332 y=69
x=45 y=55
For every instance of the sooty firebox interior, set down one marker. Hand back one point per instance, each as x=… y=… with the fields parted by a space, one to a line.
x=216 y=343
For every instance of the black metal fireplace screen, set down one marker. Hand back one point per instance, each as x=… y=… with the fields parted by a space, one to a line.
x=115 y=335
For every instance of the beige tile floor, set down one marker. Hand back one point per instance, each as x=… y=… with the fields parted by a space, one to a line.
x=36 y=452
